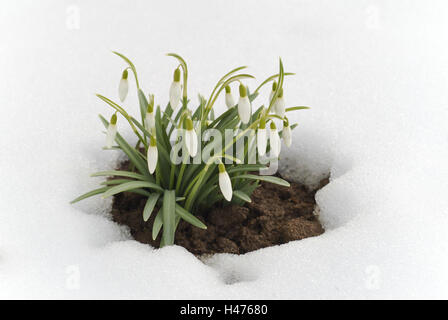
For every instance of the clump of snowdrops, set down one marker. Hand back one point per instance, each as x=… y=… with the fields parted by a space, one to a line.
x=186 y=159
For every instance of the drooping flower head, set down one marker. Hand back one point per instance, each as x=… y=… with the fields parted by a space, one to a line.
x=150 y=119
x=230 y=103
x=286 y=134
x=244 y=107
x=280 y=104
x=191 y=139
x=262 y=137
x=175 y=90
x=153 y=154
x=123 y=87
x=274 y=139
x=224 y=182
x=111 y=131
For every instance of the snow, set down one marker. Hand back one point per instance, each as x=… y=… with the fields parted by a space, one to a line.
x=374 y=73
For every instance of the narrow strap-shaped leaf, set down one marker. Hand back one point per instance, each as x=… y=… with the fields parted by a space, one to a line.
x=90 y=194
x=119 y=173
x=296 y=108
x=114 y=182
x=143 y=104
x=270 y=179
x=187 y=216
x=149 y=206
x=158 y=222
x=131 y=185
x=246 y=167
x=241 y=195
x=169 y=215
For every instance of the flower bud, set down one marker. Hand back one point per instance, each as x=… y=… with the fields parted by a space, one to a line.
x=150 y=119
x=280 y=104
x=225 y=183
x=123 y=87
x=111 y=131
x=191 y=138
x=153 y=154
x=244 y=107
x=261 y=138
x=274 y=139
x=175 y=90
x=286 y=134
x=230 y=103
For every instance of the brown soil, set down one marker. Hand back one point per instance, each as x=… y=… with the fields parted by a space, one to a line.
x=276 y=215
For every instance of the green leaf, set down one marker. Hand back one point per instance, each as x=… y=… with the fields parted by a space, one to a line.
x=158 y=222
x=187 y=216
x=131 y=185
x=90 y=194
x=270 y=179
x=168 y=214
x=119 y=173
x=241 y=195
x=143 y=104
x=246 y=167
x=296 y=108
x=114 y=182
x=149 y=206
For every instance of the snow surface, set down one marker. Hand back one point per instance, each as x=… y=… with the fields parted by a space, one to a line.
x=374 y=73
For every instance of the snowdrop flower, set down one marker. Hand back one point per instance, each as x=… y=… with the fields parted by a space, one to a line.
x=230 y=103
x=244 y=107
x=274 y=140
x=150 y=119
x=123 y=87
x=224 y=182
x=175 y=90
x=261 y=138
x=111 y=131
x=153 y=153
x=286 y=134
x=191 y=139
x=279 y=104
x=271 y=95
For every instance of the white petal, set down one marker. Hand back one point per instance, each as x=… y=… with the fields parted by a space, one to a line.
x=175 y=93
x=280 y=107
x=261 y=141
x=150 y=121
x=110 y=135
x=191 y=141
x=275 y=142
x=229 y=100
x=152 y=158
x=244 y=109
x=123 y=89
x=225 y=185
x=286 y=135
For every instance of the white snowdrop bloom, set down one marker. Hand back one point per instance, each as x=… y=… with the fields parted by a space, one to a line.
x=244 y=107
x=280 y=104
x=123 y=87
x=191 y=138
x=224 y=183
x=150 y=121
x=153 y=154
x=261 y=138
x=175 y=90
x=150 y=118
x=230 y=102
x=286 y=135
x=111 y=132
x=274 y=139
